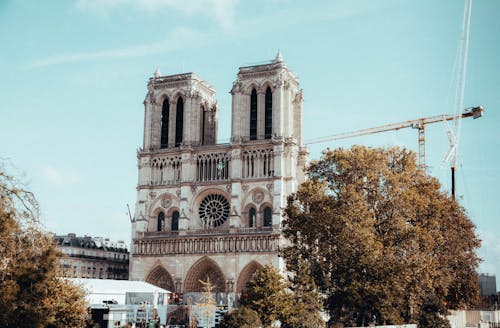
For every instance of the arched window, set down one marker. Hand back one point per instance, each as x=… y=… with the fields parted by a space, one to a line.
x=203 y=119
x=175 y=221
x=251 y=217
x=161 y=221
x=268 y=217
x=164 y=124
x=253 y=115
x=179 y=121
x=268 y=130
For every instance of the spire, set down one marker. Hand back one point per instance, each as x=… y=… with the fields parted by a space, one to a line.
x=279 y=57
x=157 y=73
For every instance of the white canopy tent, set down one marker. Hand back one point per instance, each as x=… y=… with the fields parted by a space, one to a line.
x=100 y=291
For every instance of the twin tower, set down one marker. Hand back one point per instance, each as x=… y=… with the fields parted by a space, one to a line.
x=209 y=210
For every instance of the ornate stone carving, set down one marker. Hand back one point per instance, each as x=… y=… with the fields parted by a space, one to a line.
x=152 y=195
x=194 y=188
x=233 y=211
x=244 y=188
x=270 y=186
x=258 y=197
x=229 y=188
x=166 y=202
x=178 y=192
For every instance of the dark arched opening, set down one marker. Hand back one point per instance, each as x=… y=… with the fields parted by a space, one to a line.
x=253 y=115
x=179 y=122
x=268 y=217
x=268 y=114
x=175 y=221
x=165 y=112
x=161 y=221
x=251 y=217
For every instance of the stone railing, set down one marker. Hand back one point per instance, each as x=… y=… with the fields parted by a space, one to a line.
x=206 y=244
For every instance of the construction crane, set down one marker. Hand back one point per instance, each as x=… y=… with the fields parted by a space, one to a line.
x=454 y=130
x=419 y=124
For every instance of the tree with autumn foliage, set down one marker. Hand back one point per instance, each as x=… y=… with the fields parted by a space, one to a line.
x=292 y=301
x=383 y=242
x=31 y=294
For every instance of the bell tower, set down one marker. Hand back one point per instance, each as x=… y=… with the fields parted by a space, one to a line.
x=180 y=110
x=267 y=103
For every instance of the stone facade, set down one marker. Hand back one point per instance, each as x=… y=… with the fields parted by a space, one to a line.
x=214 y=210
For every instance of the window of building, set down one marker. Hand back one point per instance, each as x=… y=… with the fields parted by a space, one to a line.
x=175 y=221
x=268 y=217
x=164 y=123
x=251 y=217
x=179 y=121
x=253 y=115
x=161 y=223
x=268 y=131
x=202 y=108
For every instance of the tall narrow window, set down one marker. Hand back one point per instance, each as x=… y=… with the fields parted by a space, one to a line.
x=251 y=217
x=268 y=131
x=268 y=218
x=161 y=221
x=253 y=115
x=164 y=124
x=202 y=125
x=175 y=221
x=179 y=121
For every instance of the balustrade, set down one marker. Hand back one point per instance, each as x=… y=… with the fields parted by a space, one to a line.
x=207 y=244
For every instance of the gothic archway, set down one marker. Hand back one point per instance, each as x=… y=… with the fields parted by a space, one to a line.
x=246 y=274
x=202 y=269
x=160 y=277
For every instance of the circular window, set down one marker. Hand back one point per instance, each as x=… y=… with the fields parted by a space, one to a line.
x=214 y=210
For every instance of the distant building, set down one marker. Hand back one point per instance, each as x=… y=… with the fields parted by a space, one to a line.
x=93 y=257
x=488 y=284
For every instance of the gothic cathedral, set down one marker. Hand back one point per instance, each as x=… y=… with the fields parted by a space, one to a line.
x=208 y=209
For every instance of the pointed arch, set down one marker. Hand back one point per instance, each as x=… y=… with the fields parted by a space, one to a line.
x=268 y=217
x=203 y=268
x=179 y=121
x=175 y=221
x=165 y=114
x=252 y=217
x=246 y=274
x=160 y=222
x=253 y=115
x=160 y=277
x=268 y=114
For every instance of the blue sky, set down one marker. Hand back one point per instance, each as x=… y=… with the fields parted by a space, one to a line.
x=74 y=74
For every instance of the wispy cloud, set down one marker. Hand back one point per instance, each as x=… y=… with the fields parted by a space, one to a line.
x=179 y=38
x=222 y=11
x=60 y=177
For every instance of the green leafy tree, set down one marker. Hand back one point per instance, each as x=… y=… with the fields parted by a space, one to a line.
x=266 y=294
x=306 y=303
x=294 y=303
x=380 y=238
x=31 y=294
x=241 y=318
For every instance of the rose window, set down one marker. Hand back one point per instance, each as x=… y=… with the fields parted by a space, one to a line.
x=214 y=210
